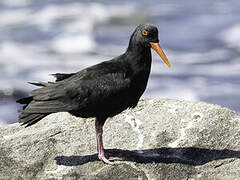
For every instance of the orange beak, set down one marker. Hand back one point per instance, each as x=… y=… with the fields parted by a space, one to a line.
x=160 y=52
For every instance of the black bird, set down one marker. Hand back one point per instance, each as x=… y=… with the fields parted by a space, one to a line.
x=100 y=91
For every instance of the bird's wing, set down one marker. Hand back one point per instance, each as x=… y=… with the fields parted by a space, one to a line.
x=106 y=87
x=62 y=76
x=94 y=84
x=48 y=99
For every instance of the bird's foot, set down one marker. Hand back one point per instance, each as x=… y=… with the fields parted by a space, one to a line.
x=108 y=159
x=115 y=159
x=103 y=158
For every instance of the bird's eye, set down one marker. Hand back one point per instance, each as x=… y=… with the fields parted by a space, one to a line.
x=144 y=32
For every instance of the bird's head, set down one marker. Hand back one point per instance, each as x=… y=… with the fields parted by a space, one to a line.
x=147 y=36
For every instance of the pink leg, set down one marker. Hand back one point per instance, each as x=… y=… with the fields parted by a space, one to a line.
x=101 y=152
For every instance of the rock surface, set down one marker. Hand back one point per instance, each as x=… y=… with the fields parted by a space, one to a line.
x=160 y=139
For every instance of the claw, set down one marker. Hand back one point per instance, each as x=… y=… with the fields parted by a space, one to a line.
x=115 y=159
x=104 y=159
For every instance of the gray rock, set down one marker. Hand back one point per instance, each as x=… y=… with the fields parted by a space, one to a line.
x=160 y=139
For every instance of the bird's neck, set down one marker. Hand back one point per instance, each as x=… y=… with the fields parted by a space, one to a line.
x=136 y=46
x=138 y=53
x=139 y=59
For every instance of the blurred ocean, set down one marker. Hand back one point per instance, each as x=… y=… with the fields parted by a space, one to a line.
x=201 y=40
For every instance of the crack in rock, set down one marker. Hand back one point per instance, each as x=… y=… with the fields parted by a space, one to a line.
x=56 y=134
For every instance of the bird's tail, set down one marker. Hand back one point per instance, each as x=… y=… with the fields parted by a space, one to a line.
x=25 y=118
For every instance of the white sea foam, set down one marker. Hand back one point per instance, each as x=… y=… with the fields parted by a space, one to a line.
x=2 y=123
x=16 y=3
x=14 y=17
x=72 y=43
x=231 y=36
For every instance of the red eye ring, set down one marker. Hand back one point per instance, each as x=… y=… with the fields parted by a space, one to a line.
x=144 y=32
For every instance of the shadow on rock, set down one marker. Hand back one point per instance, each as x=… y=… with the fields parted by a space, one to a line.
x=188 y=155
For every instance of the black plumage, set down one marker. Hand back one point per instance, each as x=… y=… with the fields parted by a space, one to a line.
x=100 y=91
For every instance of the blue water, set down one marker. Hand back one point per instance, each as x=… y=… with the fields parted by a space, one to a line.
x=201 y=40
